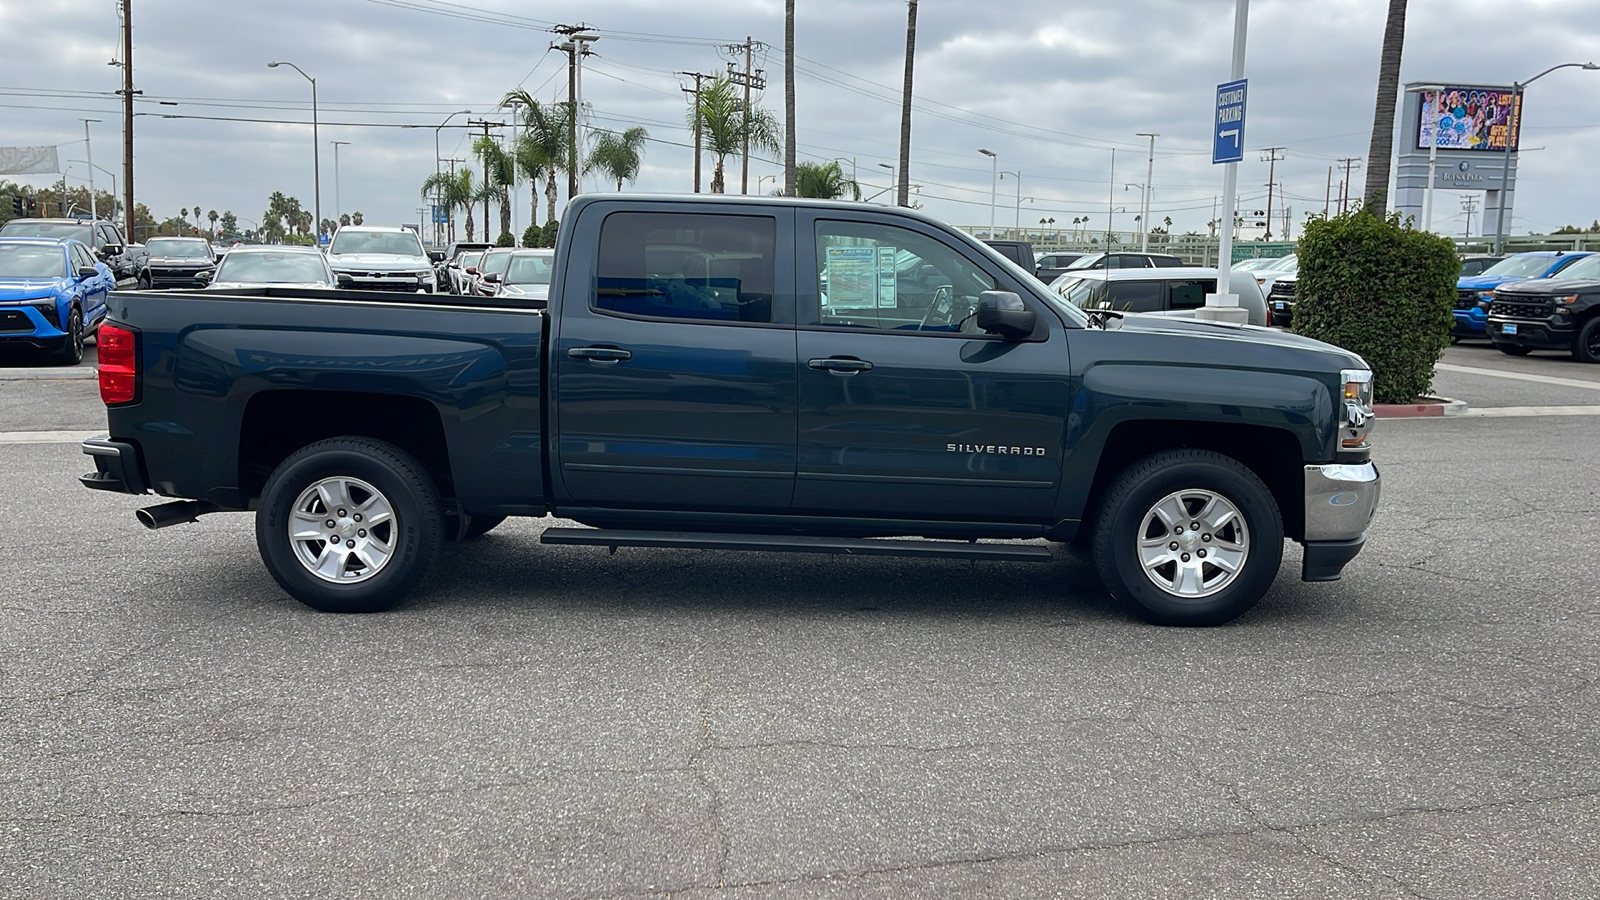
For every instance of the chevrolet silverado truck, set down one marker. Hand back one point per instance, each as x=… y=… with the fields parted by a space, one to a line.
x=740 y=373
x=1557 y=313
x=371 y=257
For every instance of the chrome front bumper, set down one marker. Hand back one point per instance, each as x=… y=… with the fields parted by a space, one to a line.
x=1340 y=503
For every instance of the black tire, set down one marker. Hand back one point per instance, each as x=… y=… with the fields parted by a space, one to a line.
x=144 y=282
x=1133 y=497
x=414 y=534
x=1587 y=347
x=70 y=353
x=1513 y=349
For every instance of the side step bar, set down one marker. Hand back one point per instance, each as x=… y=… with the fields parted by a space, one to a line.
x=783 y=543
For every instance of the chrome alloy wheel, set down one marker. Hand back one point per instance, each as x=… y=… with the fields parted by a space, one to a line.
x=342 y=530
x=1193 y=543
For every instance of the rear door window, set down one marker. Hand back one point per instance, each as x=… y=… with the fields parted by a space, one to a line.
x=1134 y=296
x=696 y=267
x=1189 y=294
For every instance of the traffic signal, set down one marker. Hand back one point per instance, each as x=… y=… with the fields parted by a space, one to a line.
x=16 y=205
x=32 y=205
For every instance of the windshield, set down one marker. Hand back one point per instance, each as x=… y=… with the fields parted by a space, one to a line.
x=1290 y=263
x=1588 y=267
x=32 y=261
x=287 y=267
x=1520 y=266
x=494 y=263
x=529 y=269
x=176 y=248
x=1084 y=262
x=396 y=243
x=38 y=228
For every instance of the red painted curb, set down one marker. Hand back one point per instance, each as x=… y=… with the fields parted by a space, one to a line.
x=1407 y=410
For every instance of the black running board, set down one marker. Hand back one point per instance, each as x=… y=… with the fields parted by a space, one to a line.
x=783 y=543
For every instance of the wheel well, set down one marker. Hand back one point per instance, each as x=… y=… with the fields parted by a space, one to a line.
x=277 y=423
x=1272 y=454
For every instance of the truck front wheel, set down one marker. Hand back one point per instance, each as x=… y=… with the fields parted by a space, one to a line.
x=1587 y=347
x=349 y=525
x=1188 y=537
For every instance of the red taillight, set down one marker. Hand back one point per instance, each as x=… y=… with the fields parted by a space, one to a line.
x=119 y=365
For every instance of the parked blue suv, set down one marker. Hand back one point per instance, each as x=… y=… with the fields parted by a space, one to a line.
x=52 y=294
x=1473 y=292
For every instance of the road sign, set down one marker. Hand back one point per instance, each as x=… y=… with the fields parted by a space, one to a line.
x=322 y=237
x=1254 y=249
x=1227 y=139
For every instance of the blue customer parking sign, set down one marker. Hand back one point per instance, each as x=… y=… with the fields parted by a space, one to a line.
x=1227 y=140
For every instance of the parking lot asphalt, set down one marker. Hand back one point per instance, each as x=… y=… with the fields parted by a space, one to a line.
x=548 y=721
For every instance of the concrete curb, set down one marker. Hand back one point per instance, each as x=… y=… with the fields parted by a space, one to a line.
x=1442 y=406
x=50 y=373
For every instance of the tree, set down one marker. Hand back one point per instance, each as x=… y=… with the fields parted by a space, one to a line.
x=722 y=118
x=499 y=177
x=213 y=217
x=903 y=193
x=824 y=181
x=356 y=218
x=789 y=173
x=344 y=219
x=230 y=222
x=1375 y=197
x=542 y=146
x=619 y=156
x=458 y=191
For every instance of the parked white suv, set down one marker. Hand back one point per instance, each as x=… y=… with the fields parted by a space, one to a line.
x=381 y=259
x=1176 y=291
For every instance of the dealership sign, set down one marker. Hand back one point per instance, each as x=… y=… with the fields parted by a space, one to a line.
x=1468 y=118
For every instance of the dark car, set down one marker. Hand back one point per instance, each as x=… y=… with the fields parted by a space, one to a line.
x=1050 y=266
x=1019 y=252
x=177 y=262
x=458 y=256
x=491 y=268
x=1559 y=313
x=104 y=240
x=1475 y=292
x=1121 y=260
x=1475 y=265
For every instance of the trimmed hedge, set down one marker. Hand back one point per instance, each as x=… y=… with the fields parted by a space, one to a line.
x=506 y=239
x=530 y=236
x=547 y=236
x=1382 y=290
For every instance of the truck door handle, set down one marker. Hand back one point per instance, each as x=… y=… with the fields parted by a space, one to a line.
x=842 y=365
x=600 y=354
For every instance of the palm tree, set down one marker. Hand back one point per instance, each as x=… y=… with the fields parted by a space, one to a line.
x=824 y=181
x=213 y=216
x=1374 y=198
x=499 y=177
x=356 y=217
x=619 y=156
x=542 y=147
x=722 y=119
x=454 y=191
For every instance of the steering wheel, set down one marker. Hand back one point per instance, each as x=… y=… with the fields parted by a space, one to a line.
x=943 y=296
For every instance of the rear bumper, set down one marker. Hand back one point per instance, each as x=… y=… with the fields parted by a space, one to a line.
x=1535 y=334
x=117 y=466
x=1340 y=503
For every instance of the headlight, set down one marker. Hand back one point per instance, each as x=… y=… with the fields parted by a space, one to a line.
x=1567 y=300
x=1355 y=386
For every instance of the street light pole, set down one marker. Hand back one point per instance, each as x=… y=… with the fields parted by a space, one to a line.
x=1513 y=126
x=437 y=170
x=1149 y=174
x=338 y=207
x=1017 y=222
x=994 y=185
x=893 y=177
x=89 y=158
x=316 y=147
x=1433 y=159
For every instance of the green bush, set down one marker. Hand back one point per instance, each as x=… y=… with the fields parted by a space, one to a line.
x=547 y=237
x=530 y=236
x=1380 y=289
x=506 y=239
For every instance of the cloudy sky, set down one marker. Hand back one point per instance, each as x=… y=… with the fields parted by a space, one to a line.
x=1052 y=86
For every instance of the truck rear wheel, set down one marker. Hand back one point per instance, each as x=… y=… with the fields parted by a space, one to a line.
x=349 y=525
x=1188 y=537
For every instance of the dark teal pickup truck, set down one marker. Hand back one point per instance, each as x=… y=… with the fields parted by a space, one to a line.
x=745 y=374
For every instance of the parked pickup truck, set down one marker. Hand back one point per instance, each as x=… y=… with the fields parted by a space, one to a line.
x=743 y=373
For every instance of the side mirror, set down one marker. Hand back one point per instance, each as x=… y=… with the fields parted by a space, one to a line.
x=926 y=273
x=471 y=270
x=1002 y=313
x=436 y=255
x=205 y=275
x=345 y=279
x=492 y=278
x=88 y=272
x=111 y=250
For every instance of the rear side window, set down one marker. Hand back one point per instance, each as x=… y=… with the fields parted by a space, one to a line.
x=676 y=266
x=1189 y=294
x=1135 y=296
x=1166 y=262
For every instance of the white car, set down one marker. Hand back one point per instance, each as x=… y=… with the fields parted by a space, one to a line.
x=527 y=276
x=1177 y=291
x=271 y=265
x=381 y=259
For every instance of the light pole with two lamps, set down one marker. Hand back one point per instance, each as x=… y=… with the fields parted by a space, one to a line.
x=994 y=185
x=316 y=159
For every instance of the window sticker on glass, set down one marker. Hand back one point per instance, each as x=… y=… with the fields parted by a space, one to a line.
x=852 y=277
x=886 y=277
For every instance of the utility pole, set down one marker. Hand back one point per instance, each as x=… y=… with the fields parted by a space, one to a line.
x=1469 y=205
x=1344 y=189
x=1270 y=157
x=1110 y=188
x=127 y=93
x=749 y=79
x=337 y=204
x=1149 y=175
x=697 y=76
x=1327 y=193
x=88 y=156
x=486 y=125
x=576 y=47
x=1287 y=212
x=904 y=197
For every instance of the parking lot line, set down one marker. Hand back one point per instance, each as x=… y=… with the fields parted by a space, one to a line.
x=1518 y=411
x=1520 y=376
x=46 y=437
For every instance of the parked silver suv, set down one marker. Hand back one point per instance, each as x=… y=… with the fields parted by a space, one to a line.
x=381 y=259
